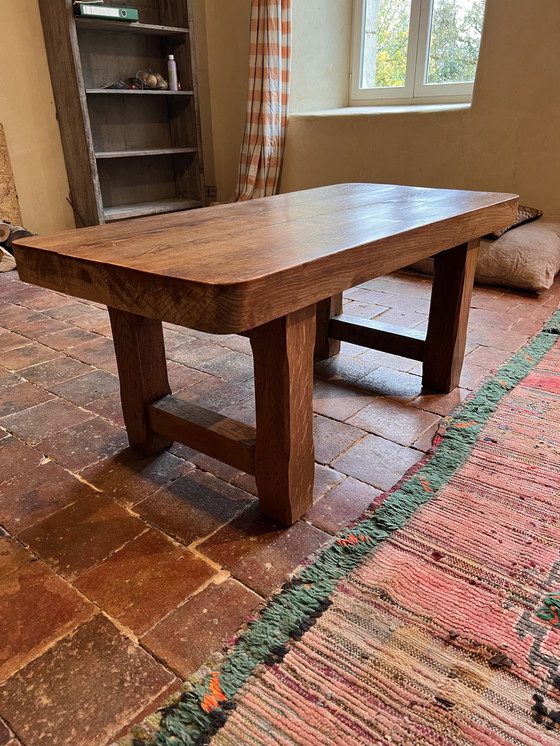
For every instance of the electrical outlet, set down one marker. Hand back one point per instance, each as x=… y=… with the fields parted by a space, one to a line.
x=211 y=192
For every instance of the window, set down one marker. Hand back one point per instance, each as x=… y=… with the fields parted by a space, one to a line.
x=415 y=51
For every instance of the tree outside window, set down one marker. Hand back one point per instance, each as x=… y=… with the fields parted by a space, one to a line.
x=418 y=48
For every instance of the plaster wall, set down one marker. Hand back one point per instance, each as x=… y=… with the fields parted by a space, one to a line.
x=28 y=114
x=225 y=88
x=320 y=54
x=506 y=141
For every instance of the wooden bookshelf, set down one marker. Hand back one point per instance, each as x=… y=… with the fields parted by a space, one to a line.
x=101 y=24
x=145 y=91
x=140 y=209
x=128 y=152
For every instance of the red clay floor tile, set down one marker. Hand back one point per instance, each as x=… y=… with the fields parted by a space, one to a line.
x=82 y=535
x=193 y=506
x=325 y=479
x=67 y=338
x=11 y=341
x=487 y=357
x=497 y=319
x=21 y=396
x=377 y=462
x=85 y=690
x=332 y=438
x=145 y=580
x=36 y=609
x=349 y=369
x=110 y=365
x=12 y=554
x=243 y=411
x=234 y=367
x=87 y=388
x=54 y=371
x=128 y=477
x=41 y=326
x=94 y=318
x=31 y=324
x=108 y=407
x=78 y=447
x=198 y=628
x=36 y=493
x=93 y=352
x=406 y=319
x=376 y=359
x=45 y=299
x=509 y=340
x=338 y=401
x=37 y=423
x=194 y=352
x=31 y=354
x=5 y=734
x=181 y=377
x=424 y=442
x=442 y=404
x=392 y=383
x=218 y=395
x=8 y=378
x=16 y=458
x=260 y=552
x=69 y=312
x=529 y=325
x=394 y=421
x=225 y=472
x=343 y=504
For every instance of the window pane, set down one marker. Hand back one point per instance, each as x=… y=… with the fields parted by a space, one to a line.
x=386 y=31
x=454 y=40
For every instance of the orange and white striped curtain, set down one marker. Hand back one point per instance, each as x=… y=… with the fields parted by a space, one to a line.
x=267 y=101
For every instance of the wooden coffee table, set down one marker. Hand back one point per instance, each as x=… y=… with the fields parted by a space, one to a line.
x=269 y=269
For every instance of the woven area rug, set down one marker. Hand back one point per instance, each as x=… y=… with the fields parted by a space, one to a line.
x=435 y=619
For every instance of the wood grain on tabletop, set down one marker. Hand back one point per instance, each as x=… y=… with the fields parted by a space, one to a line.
x=215 y=266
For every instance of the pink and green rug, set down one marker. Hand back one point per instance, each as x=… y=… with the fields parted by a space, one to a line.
x=433 y=620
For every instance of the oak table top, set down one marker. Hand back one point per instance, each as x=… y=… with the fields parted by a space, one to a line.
x=213 y=269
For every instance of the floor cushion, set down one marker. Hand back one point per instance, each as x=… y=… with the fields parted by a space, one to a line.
x=526 y=257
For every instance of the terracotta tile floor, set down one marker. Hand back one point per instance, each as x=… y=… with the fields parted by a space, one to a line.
x=119 y=575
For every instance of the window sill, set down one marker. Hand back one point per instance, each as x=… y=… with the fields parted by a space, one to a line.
x=352 y=111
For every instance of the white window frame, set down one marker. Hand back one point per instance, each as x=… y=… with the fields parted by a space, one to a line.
x=415 y=91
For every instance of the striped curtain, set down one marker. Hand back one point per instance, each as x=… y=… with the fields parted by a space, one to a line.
x=267 y=102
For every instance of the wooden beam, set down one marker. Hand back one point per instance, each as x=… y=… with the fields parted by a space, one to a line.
x=325 y=345
x=211 y=433
x=392 y=339
x=284 y=456
x=449 y=314
x=140 y=353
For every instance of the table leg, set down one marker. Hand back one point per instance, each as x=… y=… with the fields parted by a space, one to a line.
x=284 y=453
x=142 y=367
x=449 y=314
x=325 y=346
